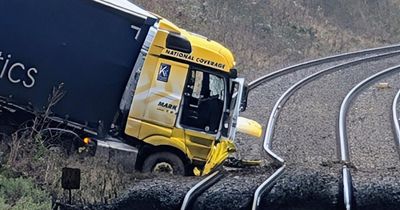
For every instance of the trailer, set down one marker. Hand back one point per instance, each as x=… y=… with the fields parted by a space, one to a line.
x=87 y=46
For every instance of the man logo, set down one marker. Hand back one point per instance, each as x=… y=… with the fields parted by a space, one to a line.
x=164 y=72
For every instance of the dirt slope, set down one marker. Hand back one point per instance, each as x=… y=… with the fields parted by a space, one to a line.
x=264 y=34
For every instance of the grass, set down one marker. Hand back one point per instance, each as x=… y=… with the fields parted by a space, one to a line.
x=21 y=193
x=39 y=151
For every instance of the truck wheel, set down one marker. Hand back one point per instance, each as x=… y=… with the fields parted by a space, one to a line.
x=164 y=162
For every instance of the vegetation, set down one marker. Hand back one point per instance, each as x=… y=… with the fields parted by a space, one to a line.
x=21 y=193
x=40 y=151
x=266 y=34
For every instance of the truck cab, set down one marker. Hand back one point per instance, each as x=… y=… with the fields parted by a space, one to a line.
x=187 y=99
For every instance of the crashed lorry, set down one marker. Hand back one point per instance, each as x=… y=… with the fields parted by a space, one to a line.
x=133 y=82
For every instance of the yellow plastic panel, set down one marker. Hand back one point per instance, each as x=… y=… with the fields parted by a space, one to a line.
x=249 y=127
x=157 y=100
x=164 y=141
x=149 y=129
x=138 y=106
x=218 y=155
x=199 y=143
x=133 y=127
x=163 y=101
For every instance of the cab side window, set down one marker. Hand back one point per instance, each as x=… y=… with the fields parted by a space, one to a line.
x=203 y=101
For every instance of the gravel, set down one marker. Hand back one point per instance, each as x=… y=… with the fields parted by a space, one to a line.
x=161 y=192
x=262 y=100
x=235 y=191
x=306 y=132
x=373 y=149
x=302 y=188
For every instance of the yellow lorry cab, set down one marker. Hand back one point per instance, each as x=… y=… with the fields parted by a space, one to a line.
x=188 y=97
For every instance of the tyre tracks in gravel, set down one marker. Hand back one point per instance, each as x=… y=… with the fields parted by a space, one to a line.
x=305 y=138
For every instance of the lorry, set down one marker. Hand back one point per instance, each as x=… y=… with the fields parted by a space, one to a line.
x=132 y=82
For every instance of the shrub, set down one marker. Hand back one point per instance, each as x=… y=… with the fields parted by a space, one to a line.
x=21 y=193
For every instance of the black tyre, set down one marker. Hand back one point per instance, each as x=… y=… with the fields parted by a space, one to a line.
x=164 y=162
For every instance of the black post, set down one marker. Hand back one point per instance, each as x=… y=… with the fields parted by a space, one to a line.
x=70 y=196
x=71 y=180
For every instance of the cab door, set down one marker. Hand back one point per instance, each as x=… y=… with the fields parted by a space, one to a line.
x=157 y=98
x=224 y=146
x=202 y=110
x=237 y=88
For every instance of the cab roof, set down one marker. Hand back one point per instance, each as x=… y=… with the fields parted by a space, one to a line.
x=202 y=46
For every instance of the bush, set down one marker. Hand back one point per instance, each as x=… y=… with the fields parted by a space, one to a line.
x=21 y=193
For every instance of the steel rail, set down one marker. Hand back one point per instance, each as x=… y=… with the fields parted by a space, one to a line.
x=267 y=144
x=199 y=188
x=268 y=77
x=343 y=141
x=395 y=122
x=266 y=186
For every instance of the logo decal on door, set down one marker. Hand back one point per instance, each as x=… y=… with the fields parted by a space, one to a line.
x=163 y=74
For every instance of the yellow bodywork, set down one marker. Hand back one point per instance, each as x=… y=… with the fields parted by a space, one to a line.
x=218 y=154
x=249 y=127
x=156 y=104
x=204 y=50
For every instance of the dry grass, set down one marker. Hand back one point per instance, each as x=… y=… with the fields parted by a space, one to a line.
x=100 y=181
x=40 y=151
x=266 y=34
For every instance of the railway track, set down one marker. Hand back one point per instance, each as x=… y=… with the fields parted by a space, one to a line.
x=199 y=188
x=315 y=155
x=269 y=88
x=375 y=159
x=395 y=119
x=307 y=73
